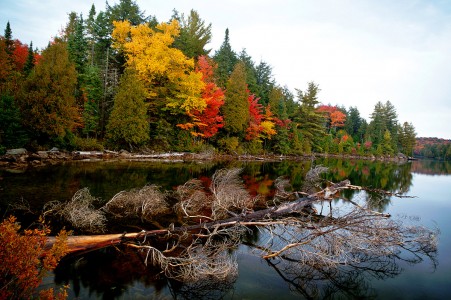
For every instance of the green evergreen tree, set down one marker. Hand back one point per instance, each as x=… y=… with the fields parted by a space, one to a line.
x=251 y=72
x=12 y=133
x=126 y=10
x=226 y=59
x=291 y=105
x=265 y=82
x=236 y=106
x=194 y=35
x=128 y=124
x=310 y=122
x=9 y=39
x=383 y=118
x=278 y=103
x=93 y=94
x=49 y=104
x=78 y=45
x=387 y=144
x=354 y=123
x=407 y=138
x=29 y=63
x=377 y=125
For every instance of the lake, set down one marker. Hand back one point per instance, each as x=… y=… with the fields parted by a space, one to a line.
x=109 y=273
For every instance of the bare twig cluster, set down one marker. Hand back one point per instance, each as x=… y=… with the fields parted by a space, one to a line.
x=193 y=200
x=79 y=211
x=226 y=196
x=207 y=257
x=144 y=203
x=229 y=194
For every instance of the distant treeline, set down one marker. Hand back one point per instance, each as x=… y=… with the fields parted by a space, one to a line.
x=121 y=79
x=432 y=147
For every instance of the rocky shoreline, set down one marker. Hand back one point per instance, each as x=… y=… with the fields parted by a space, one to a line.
x=19 y=159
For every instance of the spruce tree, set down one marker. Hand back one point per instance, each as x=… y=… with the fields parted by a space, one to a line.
x=29 y=64
x=49 y=104
x=9 y=39
x=236 y=107
x=12 y=134
x=226 y=59
x=265 y=81
x=251 y=72
x=194 y=35
x=310 y=122
x=128 y=124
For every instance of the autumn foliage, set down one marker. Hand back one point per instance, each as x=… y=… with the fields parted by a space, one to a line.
x=207 y=121
x=24 y=262
x=335 y=116
x=261 y=120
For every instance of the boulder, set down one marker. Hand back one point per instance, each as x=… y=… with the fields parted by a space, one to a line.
x=43 y=154
x=18 y=151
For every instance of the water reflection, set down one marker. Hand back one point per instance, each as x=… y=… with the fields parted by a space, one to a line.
x=110 y=273
x=431 y=167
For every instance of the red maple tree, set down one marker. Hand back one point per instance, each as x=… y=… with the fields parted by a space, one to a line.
x=209 y=120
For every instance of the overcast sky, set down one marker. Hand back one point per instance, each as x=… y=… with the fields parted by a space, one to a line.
x=357 y=51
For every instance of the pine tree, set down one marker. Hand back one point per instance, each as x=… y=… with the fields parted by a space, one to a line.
x=251 y=72
x=49 y=103
x=126 y=10
x=310 y=122
x=353 y=124
x=383 y=118
x=236 y=107
x=9 y=39
x=12 y=134
x=78 y=45
x=377 y=125
x=29 y=64
x=91 y=83
x=226 y=59
x=128 y=124
x=194 y=35
x=407 y=138
x=265 y=81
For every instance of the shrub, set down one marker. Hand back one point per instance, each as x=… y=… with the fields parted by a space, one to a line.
x=24 y=262
x=229 y=144
x=87 y=144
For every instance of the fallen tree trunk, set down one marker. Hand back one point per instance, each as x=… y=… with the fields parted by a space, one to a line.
x=84 y=243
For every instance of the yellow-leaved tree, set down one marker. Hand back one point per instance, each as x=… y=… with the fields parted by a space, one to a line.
x=171 y=82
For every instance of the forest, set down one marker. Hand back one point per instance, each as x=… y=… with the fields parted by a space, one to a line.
x=433 y=148
x=119 y=79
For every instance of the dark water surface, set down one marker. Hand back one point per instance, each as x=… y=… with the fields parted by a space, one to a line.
x=109 y=273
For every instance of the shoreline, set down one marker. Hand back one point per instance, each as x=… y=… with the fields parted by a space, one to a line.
x=20 y=159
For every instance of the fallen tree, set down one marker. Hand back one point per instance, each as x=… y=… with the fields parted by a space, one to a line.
x=292 y=228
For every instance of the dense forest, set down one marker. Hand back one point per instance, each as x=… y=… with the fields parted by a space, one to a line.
x=433 y=147
x=123 y=80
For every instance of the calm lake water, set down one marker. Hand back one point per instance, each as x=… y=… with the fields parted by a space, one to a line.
x=109 y=273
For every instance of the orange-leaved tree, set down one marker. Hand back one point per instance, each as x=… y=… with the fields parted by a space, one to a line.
x=209 y=120
x=334 y=116
x=261 y=124
x=24 y=261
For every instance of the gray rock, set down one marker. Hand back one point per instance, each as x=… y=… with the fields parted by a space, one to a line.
x=18 y=151
x=43 y=154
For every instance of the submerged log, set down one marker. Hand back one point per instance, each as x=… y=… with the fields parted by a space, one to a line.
x=85 y=243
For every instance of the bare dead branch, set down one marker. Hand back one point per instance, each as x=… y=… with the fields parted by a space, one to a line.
x=144 y=203
x=79 y=211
